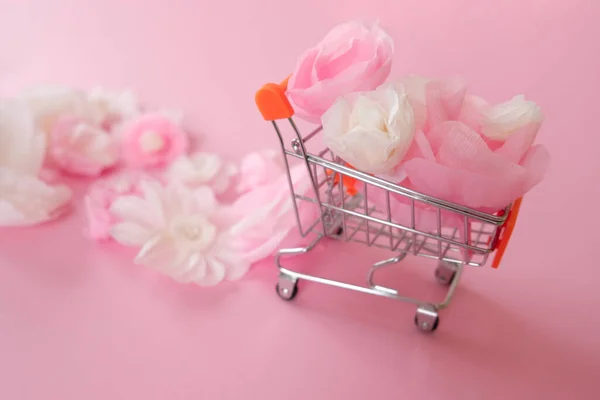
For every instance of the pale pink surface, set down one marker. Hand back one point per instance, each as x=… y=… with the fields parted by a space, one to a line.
x=78 y=320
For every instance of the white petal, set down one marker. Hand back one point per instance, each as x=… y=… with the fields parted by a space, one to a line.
x=381 y=130
x=195 y=269
x=26 y=200
x=335 y=121
x=130 y=234
x=206 y=202
x=161 y=254
x=137 y=210
x=215 y=273
x=500 y=121
x=207 y=164
x=153 y=192
x=22 y=145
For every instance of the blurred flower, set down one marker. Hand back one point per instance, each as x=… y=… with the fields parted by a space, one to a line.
x=113 y=106
x=79 y=147
x=99 y=198
x=202 y=169
x=24 y=198
x=48 y=104
x=179 y=231
x=264 y=216
x=257 y=169
x=152 y=140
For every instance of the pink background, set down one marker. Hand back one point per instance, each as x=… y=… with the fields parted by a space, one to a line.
x=79 y=321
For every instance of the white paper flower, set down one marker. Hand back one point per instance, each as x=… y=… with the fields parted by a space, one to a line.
x=50 y=103
x=500 y=121
x=22 y=145
x=371 y=131
x=24 y=198
x=179 y=231
x=202 y=169
x=79 y=147
x=114 y=105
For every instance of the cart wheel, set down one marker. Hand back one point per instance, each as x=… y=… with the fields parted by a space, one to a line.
x=445 y=273
x=287 y=288
x=339 y=231
x=426 y=318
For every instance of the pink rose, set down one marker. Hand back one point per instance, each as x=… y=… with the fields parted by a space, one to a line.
x=152 y=140
x=354 y=56
x=77 y=146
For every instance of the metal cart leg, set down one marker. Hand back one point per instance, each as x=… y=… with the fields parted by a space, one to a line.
x=427 y=314
x=427 y=317
x=445 y=272
x=287 y=285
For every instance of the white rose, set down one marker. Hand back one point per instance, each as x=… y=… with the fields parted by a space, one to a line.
x=371 y=131
x=500 y=121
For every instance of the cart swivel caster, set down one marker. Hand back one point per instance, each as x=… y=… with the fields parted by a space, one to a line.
x=287 y=288
x=426 y=318
x=445 y=273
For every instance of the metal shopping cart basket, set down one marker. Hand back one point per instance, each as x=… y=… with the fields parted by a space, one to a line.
x=459 y=235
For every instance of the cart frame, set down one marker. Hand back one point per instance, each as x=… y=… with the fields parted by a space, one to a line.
x=459 y=235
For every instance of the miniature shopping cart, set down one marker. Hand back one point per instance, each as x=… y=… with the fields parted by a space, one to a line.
x=459 y=235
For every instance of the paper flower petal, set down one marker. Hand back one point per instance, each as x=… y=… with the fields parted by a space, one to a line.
x=26 y=200
x=353 y=56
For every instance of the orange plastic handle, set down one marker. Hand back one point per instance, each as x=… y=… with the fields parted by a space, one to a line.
x=272 y=102
x=507 y=232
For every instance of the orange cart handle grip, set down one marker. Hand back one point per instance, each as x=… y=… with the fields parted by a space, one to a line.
x=272 y=102
x=507 y=232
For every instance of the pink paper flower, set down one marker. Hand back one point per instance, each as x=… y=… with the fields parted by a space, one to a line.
x=202 y=169
x=25 y=199
x=467 y=171
x=180 y=233
x=258 y=169
x=265 y=216
x=99 y=198
x=354 y=56
x=152 y=140
x=79 y=147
